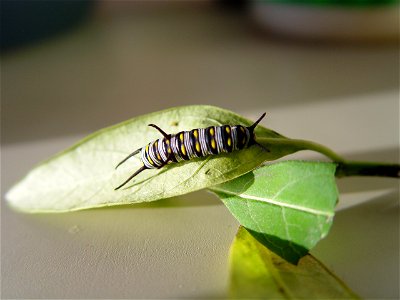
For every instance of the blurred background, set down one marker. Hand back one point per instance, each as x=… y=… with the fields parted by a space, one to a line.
x=76 y=66
x=324 y=70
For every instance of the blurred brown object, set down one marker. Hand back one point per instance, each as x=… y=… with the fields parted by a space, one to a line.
x=375 y=23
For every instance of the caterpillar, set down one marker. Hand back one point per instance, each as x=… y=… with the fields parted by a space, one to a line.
x=186 y=145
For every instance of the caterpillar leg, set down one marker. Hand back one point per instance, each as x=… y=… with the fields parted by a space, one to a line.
x=166 y=135
x=130 y=177
x=129 y=156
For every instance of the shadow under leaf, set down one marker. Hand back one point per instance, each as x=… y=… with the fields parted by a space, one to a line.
x=288 y=250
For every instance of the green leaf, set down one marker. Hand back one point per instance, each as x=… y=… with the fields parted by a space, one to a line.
x=288 y=206
x=256 y=272
x=84 y=175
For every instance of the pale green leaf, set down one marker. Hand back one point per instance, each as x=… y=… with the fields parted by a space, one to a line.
x=288 y=206
x=84 y=175
x=257 y=272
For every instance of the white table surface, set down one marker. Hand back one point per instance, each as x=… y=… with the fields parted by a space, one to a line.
x=131 y=61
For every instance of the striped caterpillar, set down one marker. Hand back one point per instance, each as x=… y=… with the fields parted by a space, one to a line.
x=199 y=142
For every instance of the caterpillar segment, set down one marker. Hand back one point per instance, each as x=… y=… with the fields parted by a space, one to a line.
x=187 y=145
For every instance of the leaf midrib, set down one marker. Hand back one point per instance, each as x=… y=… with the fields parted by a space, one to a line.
x=277 y=203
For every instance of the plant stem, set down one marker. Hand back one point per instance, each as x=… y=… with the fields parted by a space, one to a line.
x=344 y=167
x=355 y=168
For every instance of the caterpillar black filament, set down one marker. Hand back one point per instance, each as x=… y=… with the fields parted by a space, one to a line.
x=186 y=145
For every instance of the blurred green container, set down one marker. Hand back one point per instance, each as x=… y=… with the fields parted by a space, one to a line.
x=330 y=20
x=25 y=22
